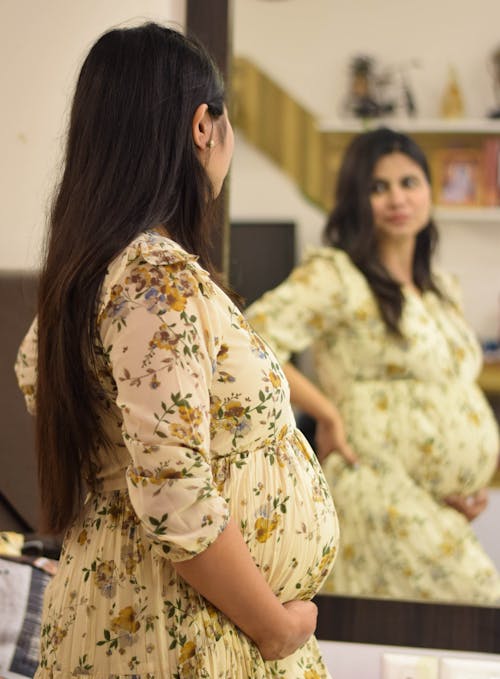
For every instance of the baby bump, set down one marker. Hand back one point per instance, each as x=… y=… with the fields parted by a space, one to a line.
x=454 y=440
x=445 y=435
x=281 y=502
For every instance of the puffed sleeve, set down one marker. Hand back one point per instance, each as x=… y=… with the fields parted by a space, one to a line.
x=159 y=332
x=25 y=366
x=302 y=308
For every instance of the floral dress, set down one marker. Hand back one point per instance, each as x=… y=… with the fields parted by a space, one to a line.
x=414 y=415
x=198 y=412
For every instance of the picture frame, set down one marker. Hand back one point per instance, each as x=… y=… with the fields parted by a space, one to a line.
x=491 y=176
x=458 y=177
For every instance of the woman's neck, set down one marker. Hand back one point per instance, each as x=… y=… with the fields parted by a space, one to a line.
x=397 y=258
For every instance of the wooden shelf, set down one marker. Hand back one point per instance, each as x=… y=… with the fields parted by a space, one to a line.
x=468 y=214
x=415 y=125
x=489 y=379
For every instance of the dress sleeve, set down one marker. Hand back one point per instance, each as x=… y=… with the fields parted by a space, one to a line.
x=303 y=308
x=159 y=329
x=25 y=366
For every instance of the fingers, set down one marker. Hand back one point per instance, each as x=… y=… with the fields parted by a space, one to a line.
x=348 y=454
x=471 y=505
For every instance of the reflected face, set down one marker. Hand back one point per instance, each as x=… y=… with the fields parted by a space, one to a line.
x=400 y=198
x=220 y=154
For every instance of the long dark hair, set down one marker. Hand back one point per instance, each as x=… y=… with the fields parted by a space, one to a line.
x=130 y=164
x=350 y=225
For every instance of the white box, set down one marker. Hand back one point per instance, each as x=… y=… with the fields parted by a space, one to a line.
x=455 y=668
x=400 y=666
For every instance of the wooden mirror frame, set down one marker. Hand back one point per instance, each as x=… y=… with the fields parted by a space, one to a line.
x=391 y=622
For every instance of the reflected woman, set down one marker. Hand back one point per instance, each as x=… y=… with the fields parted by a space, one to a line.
x=407 y=440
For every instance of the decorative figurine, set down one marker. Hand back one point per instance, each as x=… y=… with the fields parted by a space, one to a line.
x=361 y=101
x=495 y=60
x=452 y=104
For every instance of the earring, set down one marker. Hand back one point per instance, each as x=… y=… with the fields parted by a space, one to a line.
x=210 y=144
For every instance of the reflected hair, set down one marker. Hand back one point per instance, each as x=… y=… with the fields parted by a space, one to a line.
x=350 y=225
x=130 y=164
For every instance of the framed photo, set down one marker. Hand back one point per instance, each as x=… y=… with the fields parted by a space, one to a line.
x=458 y=177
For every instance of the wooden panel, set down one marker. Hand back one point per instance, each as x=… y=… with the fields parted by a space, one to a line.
x=404 y=623
x=211 y=23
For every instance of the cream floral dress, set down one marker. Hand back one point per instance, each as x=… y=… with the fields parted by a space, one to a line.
x=199 y=414
x=414 y=415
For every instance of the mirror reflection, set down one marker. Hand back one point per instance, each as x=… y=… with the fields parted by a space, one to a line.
x=393 y=324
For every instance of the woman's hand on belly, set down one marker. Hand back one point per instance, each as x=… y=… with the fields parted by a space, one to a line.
x=301 y=619
x=469 y=505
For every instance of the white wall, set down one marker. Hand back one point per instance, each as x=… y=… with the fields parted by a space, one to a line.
x=299 y=40
x=364 y=661
x=42 y=45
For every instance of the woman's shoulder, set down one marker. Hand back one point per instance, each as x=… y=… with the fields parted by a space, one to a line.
x=153 y=262
x=331 y=258
x=157 y=249
x=152 y=251
x=448 y=285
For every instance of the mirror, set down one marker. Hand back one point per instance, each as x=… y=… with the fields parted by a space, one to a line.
x=306 y=50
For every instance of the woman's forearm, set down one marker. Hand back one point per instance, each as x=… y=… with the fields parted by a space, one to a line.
x=306 y=396
x=228 y=577
x=330 y=436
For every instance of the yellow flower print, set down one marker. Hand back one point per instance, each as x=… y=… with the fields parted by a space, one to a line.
x=82 y=537
x=131 y=555
x=162 y=475
x=382 y=402
x=427 y=447
x=282 y=432
x=303 y=449
x=458 y=354
x=474 y=418
x=233 y=409
x=394 y=370
x=223 y=352
x=316 y=321
x=176 y=300
x=214 y=628
x=274 y=379
x=105 y=579
x=225 y=377
x=326 y=560
x=360 y=314
x=191 y=415
x=140 y=277
x=448 y=547
x=125 y=621
x=187 y=651
x=264 y=527
x=215 y=406
x=185 y=433
x=348 y=552
x=164 y=338
x=138 y=476
x=300 y=275
x=116 y=305
x=57 y=636
x=311 y=674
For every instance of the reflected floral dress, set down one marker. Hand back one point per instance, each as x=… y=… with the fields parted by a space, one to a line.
x=198 y=412
x=413 y=413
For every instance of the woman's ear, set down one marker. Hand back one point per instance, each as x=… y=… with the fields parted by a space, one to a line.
x=202 y=127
